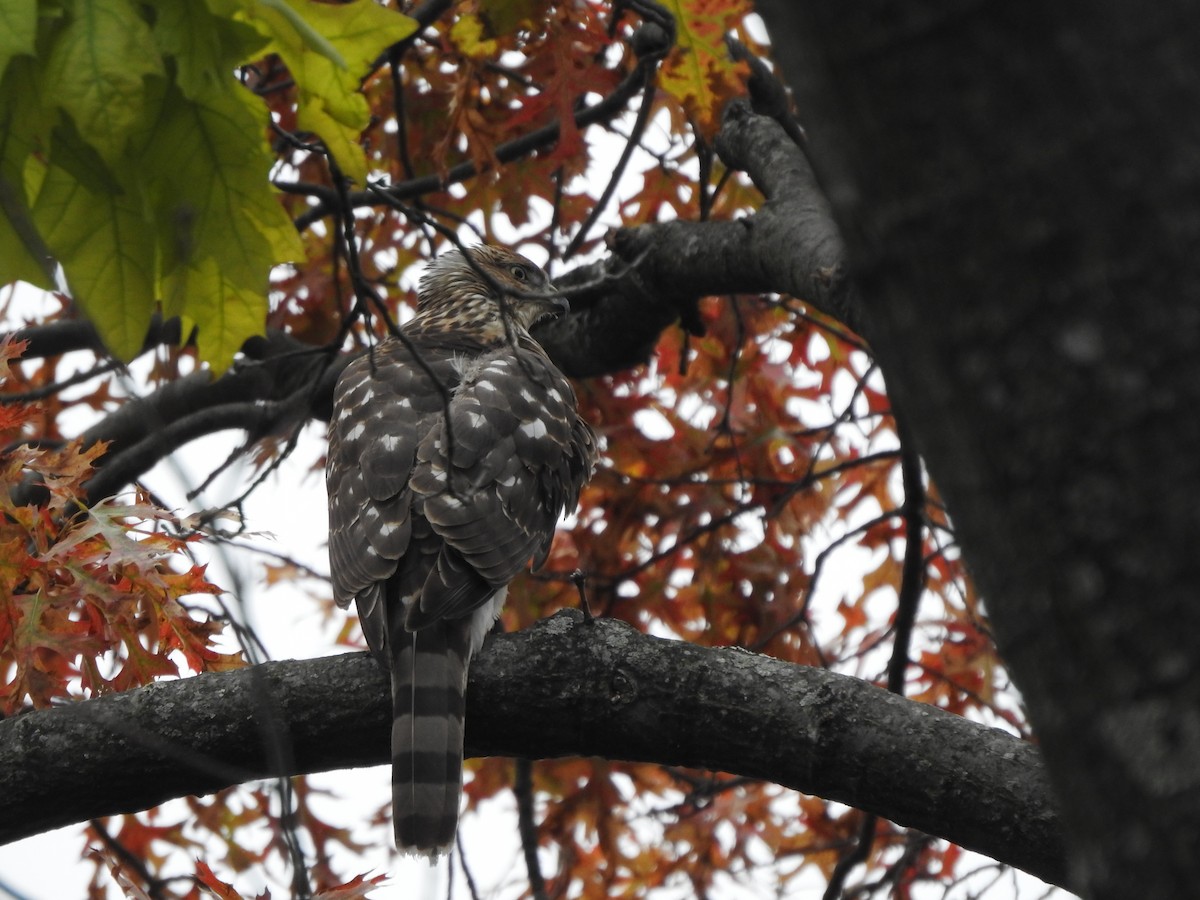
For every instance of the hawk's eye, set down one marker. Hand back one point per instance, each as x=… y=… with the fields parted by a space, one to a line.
x=519 y=273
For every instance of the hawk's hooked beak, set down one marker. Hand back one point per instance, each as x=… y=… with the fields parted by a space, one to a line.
x=551 y=308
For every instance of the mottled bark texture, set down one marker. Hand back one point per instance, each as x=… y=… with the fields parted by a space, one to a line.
x=564 y=687
x=1019 y=187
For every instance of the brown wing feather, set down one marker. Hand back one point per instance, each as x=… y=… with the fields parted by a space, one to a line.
x=384 y=402
x=515 y=446
x=432 y=514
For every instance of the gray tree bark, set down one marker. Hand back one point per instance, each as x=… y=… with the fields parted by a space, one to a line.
x=1019 y=188
x=565 y=687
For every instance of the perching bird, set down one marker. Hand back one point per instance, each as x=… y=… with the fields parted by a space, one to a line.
x=427 y=523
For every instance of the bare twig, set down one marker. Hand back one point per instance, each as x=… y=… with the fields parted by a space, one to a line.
x=912 y=583
x=858 y=854
x=154 y=886
x=506 y=152
x=527 y=824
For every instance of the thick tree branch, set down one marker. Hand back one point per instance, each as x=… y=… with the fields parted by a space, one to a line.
x=287 y=383
x=564 y=687
x=57 y=338
x=657 y=272
x=790 y=245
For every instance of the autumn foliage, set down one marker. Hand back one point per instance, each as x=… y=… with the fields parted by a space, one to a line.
x=753 y=491
x=90 y=598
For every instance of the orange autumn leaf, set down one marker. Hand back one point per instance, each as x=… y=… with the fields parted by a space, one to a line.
x=699 y=69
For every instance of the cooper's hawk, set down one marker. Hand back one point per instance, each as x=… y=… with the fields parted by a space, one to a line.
x=451 y=458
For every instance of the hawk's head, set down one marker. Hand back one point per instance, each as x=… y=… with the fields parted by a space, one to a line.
x=487 y=290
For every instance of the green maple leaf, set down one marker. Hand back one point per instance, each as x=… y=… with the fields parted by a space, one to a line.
x=96 y=71
x=18 y=28
x=130 y=155
x=329 y=49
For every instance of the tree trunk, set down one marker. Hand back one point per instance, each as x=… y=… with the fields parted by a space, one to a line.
x=1019 y=188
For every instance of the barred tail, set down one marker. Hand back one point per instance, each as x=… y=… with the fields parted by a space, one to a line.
x=429 y=684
